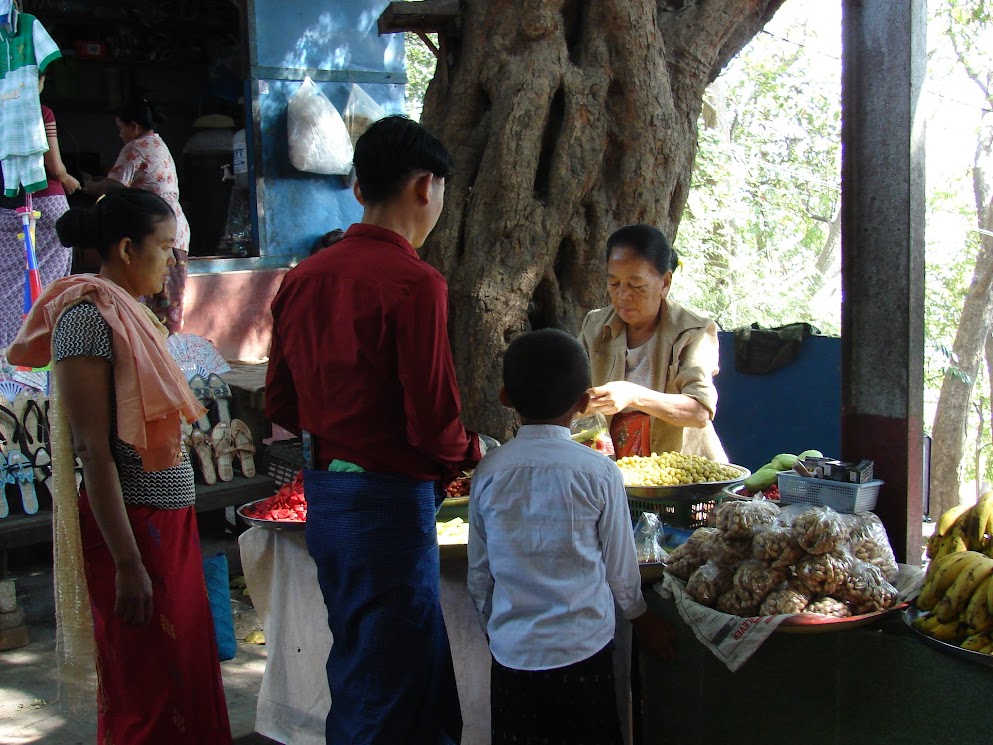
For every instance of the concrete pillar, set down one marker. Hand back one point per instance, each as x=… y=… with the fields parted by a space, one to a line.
x=882 y=194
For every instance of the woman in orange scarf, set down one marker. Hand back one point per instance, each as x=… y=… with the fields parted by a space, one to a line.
x=129 y=573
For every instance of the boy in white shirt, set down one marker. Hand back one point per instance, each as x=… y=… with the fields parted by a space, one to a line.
x=551 y=548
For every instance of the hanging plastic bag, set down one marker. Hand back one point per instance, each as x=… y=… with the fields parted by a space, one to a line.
x=360 y=112
x=648 y=538
x=592 y=431
x=318 y=138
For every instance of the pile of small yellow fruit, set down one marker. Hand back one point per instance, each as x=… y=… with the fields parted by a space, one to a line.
x=673 y=469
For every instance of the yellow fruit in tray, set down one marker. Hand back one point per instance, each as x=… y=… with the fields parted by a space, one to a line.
x=673 y=469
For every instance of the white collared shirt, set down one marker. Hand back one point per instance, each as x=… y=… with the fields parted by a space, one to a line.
x=551 y=548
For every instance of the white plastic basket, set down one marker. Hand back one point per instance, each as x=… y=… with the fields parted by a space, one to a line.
x=837 y=495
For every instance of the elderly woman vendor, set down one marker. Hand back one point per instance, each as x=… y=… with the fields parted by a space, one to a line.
x=653 y=361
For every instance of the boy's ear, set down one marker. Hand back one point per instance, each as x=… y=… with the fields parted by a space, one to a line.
x=357 y=191
x=505 y=399
x=422 y=188
x=584 y=402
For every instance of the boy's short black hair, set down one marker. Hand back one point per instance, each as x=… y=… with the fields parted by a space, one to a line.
x=391 y=151
x=545 y=373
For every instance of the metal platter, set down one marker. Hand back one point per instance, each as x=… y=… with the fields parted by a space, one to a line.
x=688 y=492
x=289 y=526
x=978 y=658
x=813 y=623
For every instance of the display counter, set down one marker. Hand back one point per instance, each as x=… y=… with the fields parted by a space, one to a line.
x=875 y=685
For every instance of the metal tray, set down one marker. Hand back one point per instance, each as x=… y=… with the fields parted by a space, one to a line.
x=912 y=612
x=812 y=623
x=688 y=492
x=289 y=526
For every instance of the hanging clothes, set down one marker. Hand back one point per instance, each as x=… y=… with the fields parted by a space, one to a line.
x=26 y=50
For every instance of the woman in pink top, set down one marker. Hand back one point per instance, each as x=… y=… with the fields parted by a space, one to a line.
x=146 y=163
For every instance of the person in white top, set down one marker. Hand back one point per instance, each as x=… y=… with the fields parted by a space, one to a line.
x=551 y=549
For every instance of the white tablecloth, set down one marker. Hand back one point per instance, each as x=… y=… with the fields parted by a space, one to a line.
x=294 y=699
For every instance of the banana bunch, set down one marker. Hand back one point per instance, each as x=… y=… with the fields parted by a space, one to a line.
x=958 y=598
x=964 y=528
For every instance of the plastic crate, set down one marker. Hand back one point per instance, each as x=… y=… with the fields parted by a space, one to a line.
x=679 y=513
x=839 y=496
x=284 y=460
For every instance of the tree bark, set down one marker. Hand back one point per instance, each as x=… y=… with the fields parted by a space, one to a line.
x=566 y=120
x=952 y=415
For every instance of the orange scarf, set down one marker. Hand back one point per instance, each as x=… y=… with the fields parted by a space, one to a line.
x=152 y=393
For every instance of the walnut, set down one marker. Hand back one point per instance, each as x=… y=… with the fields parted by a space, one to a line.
x=708 y=582
x=741 y=519
x=731 y=602
x=819 y=530
x=782 y=602
x=828 y=607
x=866 y=590
x=776 y=547
x=753 y=580
x=823 y=574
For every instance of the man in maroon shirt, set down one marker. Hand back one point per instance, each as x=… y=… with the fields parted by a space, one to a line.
x=360 y=359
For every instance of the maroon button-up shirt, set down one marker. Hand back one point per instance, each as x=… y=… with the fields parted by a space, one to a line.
x=360 y=358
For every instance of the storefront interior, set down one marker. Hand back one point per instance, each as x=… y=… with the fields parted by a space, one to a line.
x=190 y=59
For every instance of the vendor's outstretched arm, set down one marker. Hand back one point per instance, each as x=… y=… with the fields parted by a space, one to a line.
x=675 y=408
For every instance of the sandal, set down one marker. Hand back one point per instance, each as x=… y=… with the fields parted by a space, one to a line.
x=42 y=464
x=187 y=438
x=19 y=468
x=28 y=412
x=199 y=387
x=244 y=447
x=220 y=392
x=78 y=470
x=205 y=456
x=224 y=451
x=4 y=479
x=20 y=471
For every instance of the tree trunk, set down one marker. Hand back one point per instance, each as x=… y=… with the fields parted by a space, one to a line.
x=566 y=120
x=952 y=415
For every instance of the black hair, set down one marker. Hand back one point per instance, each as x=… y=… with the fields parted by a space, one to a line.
x=391 y=151
x=125 y=213
x=648 y=242
x=545 y=373
x=140 y=111
x=327 y=240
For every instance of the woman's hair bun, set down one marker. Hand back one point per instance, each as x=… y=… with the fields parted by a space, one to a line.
x=79 y=227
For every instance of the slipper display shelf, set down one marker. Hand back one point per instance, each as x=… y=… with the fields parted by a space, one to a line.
x=17 y=531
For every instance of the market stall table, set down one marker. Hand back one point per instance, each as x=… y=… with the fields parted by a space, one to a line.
x=294 y=698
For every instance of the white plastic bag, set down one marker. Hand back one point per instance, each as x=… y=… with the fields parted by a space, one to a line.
x=318 y=139
x=360 y=112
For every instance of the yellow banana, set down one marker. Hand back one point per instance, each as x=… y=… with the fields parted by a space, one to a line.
x=940 y=575
x=946 y=632
x=925 y=622
x=976 y=642
x=934 y=545
x=950 y=517
x=983 y=512
x=977 y=614
x=974 y=570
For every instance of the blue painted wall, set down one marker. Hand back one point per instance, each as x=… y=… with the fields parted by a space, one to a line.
x=790 y=410
x=330 y=40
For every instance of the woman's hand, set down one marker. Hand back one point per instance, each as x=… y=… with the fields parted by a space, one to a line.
x=134 y=594
x=69 y=183
x=613 y=397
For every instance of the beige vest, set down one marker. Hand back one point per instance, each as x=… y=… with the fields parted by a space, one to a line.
x=686 y=362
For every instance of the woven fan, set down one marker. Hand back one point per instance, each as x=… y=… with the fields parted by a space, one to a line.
x=10 y=388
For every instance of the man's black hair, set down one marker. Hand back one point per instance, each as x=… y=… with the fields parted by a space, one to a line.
x=545 y=373
x=391 y=151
